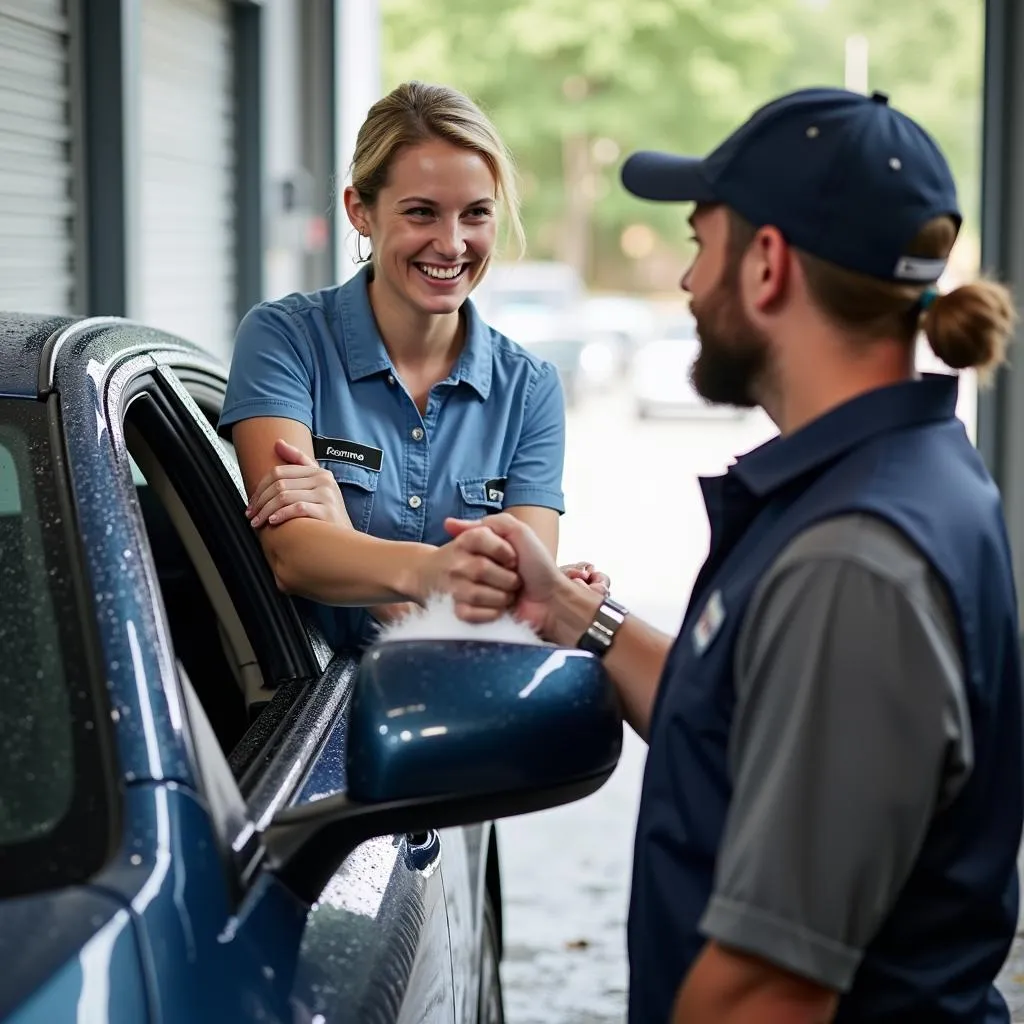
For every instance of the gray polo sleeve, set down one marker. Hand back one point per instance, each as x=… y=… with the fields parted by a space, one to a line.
x=851 y=730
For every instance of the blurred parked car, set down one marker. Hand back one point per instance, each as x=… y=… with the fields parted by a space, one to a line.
x=661 y=379
x=539 y=305
x=206 y=814
x=617 y=327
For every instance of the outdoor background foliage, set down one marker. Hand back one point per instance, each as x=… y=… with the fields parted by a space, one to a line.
x=575 y=85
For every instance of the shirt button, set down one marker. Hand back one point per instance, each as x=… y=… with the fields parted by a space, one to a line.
x=417 y=433
x=391 y=380
x=415 y=501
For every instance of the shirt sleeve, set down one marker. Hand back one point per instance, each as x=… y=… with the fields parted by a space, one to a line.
x=271 y=369
x=851 y=729
x=535 y=474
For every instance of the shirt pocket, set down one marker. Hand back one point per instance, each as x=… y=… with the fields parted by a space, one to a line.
x=479 y=500
x=358 y=486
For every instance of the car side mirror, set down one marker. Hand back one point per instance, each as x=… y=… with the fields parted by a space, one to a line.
x=444 y=733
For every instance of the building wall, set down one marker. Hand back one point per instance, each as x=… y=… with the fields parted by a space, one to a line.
x=183 y=153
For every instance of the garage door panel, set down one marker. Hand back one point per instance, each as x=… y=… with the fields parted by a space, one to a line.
x=48 y=153
x=35 y=86
x=32 y=64
x=38 y=157
x=37 y=210
x=186 y=252
x=25 y=225
x=32 y=250
x=29 y=110
x=38 y=15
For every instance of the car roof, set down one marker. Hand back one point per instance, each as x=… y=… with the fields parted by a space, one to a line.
x=22 y=337
x=33 y=345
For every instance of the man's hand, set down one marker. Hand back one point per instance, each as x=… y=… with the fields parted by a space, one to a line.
x=588 y=576
x=297 y=489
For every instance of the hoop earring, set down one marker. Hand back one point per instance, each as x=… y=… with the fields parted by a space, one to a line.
x=359 y=257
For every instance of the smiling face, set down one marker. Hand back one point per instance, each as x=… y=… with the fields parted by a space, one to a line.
x=433 y=225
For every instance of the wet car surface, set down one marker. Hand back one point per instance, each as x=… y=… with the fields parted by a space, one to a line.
x=163 y=701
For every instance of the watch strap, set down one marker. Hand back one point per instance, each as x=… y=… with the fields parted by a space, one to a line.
x=600 y=634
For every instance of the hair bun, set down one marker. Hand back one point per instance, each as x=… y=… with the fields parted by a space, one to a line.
x=971 y=326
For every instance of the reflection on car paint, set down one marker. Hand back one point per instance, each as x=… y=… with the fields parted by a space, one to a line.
x=553 y=664
x=167 y=931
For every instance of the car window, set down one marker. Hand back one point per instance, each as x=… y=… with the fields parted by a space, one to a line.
x=256 y=674
x=228 y=622
x=203 y=397
x=52 y=779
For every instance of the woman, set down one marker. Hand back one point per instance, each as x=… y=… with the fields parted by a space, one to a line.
x=416 y=409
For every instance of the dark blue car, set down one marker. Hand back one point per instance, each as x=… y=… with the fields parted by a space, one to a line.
x=206 y=814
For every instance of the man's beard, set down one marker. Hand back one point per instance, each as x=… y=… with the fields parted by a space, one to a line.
x=733 y=358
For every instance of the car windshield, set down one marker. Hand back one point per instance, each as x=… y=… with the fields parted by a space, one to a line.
x=49 y=763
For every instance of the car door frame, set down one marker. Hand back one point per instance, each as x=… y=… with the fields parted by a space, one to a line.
x=310 y=706
x=471 y=851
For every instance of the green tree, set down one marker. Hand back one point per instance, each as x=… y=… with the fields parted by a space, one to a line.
x=574 y=85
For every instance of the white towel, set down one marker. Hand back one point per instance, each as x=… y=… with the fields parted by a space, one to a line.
x=437 y=620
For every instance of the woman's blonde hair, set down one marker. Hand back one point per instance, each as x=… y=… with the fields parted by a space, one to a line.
x=968 y=327
x=415 y=112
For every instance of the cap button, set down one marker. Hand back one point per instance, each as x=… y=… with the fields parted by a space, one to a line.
x=880 y=97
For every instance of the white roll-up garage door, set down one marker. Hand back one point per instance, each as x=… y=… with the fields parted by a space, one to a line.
x=37 y=209
x=186 y=272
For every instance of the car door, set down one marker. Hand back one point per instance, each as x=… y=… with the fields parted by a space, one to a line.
x=464 y=849
x=375 y=946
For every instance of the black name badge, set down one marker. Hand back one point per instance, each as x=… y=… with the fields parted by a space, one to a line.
x=337 y=449
x=494 y=490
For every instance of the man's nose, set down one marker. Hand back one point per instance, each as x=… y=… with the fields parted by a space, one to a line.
x=684 y=282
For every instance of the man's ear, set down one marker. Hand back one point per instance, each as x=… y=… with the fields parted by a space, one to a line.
x=769 y=257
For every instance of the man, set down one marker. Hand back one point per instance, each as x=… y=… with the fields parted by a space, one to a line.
x=833 y=796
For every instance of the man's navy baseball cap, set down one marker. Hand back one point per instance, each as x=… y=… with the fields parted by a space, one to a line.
x=843 y=176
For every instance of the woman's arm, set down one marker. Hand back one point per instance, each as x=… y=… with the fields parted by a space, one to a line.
x=335 y=564
x=543 y=522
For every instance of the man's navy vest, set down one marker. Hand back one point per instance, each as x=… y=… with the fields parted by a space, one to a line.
x=898 y=453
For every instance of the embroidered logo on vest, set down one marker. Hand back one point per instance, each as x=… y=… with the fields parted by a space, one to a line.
x=709 y=623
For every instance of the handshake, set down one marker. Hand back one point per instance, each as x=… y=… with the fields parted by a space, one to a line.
x=491 y=566
x=498 y=564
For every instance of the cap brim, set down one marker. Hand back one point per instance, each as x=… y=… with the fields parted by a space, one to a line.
x=667 y=178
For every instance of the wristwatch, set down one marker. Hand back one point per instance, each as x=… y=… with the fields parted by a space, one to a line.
x=601 y=632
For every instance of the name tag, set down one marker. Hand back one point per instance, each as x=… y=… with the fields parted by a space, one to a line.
x=495 y=489
x=337 y=449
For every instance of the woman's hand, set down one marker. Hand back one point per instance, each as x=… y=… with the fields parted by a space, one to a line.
x=588 y=576
x=477 y=569
x=298 y=489
x=540 y=579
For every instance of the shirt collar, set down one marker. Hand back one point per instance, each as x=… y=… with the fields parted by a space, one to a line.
x=477 y=359
x=910 y=403
x=363 y=350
